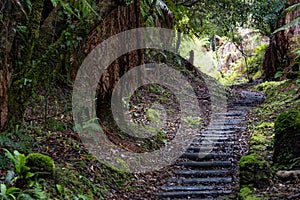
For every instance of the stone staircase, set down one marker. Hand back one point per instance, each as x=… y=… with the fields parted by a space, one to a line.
x=209 y=167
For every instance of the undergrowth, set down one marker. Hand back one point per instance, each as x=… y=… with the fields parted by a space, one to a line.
x=280 y=96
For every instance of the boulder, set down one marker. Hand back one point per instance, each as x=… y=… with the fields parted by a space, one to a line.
x=287 y=140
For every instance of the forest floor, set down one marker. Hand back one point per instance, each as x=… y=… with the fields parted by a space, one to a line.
x=50 y=131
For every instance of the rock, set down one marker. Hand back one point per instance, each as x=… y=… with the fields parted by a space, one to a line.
x=286 y=140
x=288 y=175
x=254 y=171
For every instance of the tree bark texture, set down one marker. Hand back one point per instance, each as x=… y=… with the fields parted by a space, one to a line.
x=277 y=56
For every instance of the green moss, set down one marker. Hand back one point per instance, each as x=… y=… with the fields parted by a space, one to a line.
x=287 y=128
x=265 y=86
x=258 y=138
x=246 y=194
x=193 y=122
x=264 y=125
x=289 y=120
x=254 y=170
x=152 y=115
x=40 y=163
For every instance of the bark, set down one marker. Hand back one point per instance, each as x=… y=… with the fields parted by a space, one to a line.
x=277 y=56
x=7 y=34
x=20 y=91
x=119 y=20
x=44 y=55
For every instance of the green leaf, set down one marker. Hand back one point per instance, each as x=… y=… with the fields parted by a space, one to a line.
x=292 y=8
x=3 y=189
x=29 y=5
x=25 y=196
x=278 y=74
x=9 y=177
x=59 y=188
x=29 y=175
x=54 y=3
x=289 y=25
x=13 y=190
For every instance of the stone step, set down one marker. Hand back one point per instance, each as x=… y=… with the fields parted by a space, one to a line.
x=228 y=122
x=200 y=173
x=205 y=156
x=206 y=164
x=216 y=138
x=212 y=143
x=201 y=180
x=208 y=149
x=218 y=132
x=187 y=194
x=191 y=188
x=219 y=128
x=232 y=113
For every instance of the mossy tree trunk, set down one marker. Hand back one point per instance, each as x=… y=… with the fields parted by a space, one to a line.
x=39 y=52
x=21 y=88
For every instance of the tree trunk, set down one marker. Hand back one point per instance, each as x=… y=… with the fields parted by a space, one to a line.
x=119 y=20
x=36 y=55
x=7 y=34
x=21 y=89
x=277 y=56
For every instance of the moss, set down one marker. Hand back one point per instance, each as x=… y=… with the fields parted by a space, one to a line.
x=287 y=128
x=254 y=170
x=265 y=86
x=258 y=139
x=193 y=122
x=289 y=120
x=264 y=125
x=152 y=115
x=246 y=194
x=40 y=163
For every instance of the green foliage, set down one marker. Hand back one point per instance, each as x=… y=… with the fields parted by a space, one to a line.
x=246 y=194
x=8 y=190
x=266 y=86
x=278 y=74
x=265 y=17
x=8 y=193
x=289 y=120
x=295 y=22
x=255 y=62
x=19 y=162
x=78 y=8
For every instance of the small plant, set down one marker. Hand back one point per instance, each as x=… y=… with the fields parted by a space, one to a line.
x=193 y=122
x=153 y=116
x=19 y=162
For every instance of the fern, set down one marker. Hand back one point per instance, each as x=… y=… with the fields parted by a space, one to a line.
x=36 y=193
x=295 y=22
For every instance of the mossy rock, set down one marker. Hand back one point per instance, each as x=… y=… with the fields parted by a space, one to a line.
x=254 y=171
x=287 y=137
x=40 y=163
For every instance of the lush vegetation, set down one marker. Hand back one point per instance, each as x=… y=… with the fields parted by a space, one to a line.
x=43 y=43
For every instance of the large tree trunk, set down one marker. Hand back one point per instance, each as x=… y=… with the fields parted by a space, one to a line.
x=119 y=20
x=7 y=34
x=277 y=57
x=36 y=55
